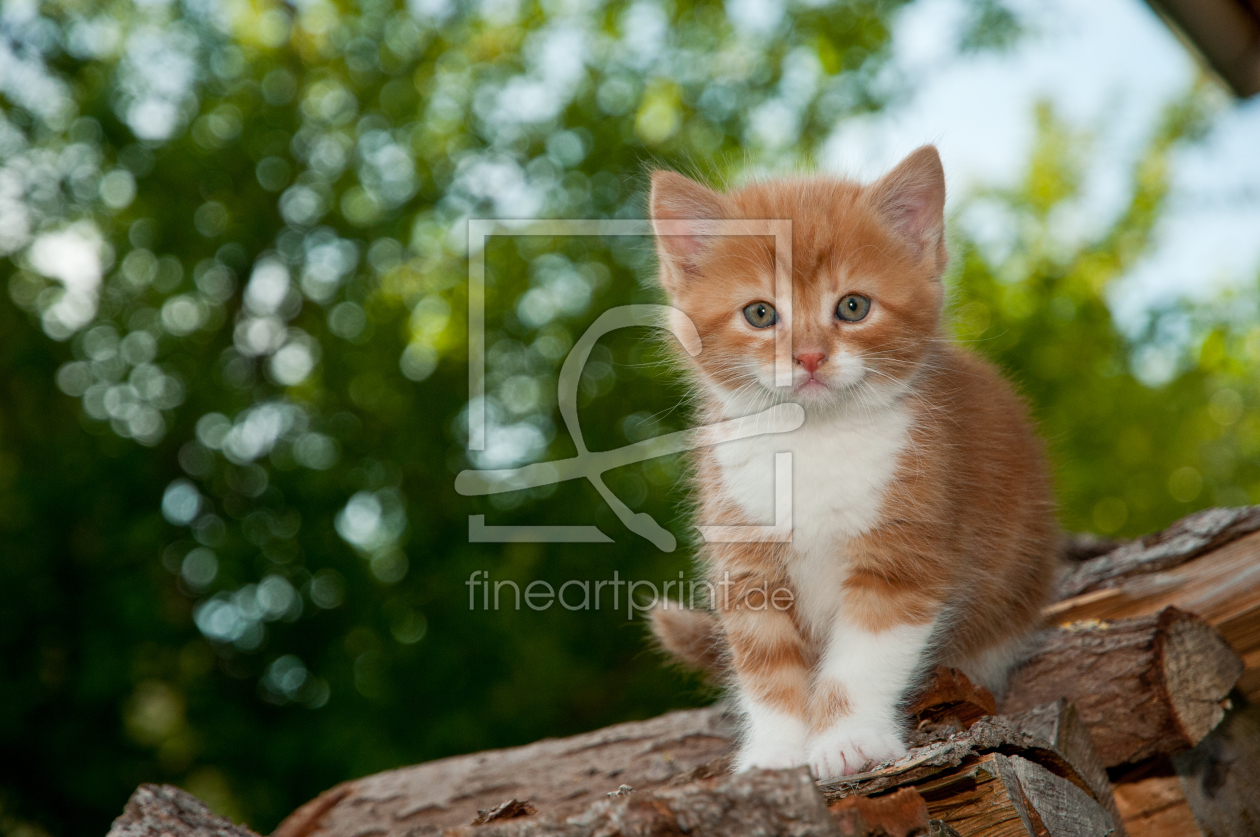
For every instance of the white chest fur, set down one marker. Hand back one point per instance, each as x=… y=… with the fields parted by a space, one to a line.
x=841 y=467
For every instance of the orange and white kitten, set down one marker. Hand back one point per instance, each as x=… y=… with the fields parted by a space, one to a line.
x=923 y=527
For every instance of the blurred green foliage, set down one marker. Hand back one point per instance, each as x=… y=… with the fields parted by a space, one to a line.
x=234 y=366
x=1142 y=427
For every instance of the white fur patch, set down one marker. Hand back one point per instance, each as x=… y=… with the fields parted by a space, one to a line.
x=841 y=465
x=874 y=670
x=773 y=740
x=874 y=667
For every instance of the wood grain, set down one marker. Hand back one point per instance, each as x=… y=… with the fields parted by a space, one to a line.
x=1144 y=687
x=1060 y=724
x=1219 y=583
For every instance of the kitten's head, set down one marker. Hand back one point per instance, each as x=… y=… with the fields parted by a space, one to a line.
x=865 y=275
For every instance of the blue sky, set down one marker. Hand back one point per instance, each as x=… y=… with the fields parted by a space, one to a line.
x=1109 y=67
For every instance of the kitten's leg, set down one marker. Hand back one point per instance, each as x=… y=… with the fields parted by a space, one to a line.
x=876 y=650
x=992 y=666
x=768 y=657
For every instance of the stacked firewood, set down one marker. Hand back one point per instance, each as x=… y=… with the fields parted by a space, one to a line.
x=1133 y=716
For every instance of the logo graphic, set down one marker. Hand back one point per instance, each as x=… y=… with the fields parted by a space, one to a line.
x=591 y=465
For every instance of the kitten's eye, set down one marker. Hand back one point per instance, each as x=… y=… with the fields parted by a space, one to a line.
x=760 y=314
x=853 y=308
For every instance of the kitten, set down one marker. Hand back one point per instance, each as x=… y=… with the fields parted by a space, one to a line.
x=923 y=525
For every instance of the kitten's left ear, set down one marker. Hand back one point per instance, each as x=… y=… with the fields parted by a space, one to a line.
x=911 y=198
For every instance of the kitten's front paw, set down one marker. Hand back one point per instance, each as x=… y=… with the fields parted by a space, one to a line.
x=851 y=745
x=768 y=756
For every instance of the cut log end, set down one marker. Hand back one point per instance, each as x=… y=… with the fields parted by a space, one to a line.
x=1199 y=670
x=1144 y=687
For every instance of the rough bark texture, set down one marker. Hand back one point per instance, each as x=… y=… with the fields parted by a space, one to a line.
x=669 y=776
x=167 y=811
x=1132 y=695
x=560 y=777
x=1185 y=540
x=1143 y=687
x=775 y=803
x=1221 y=584
x=1060 y=724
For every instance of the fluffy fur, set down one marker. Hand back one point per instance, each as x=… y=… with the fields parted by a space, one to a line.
x=923 y=528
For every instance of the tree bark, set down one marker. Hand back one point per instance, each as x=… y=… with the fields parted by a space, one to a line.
x=168 y=811
x=776 y=803
x=1143 y=687
x=1184 y=541
x=559 y=777
x=1219 y=582
x=670 y=775
x=1060 y=724
x=1132 y=695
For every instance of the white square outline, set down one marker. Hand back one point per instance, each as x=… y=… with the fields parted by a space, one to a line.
x=480 y=229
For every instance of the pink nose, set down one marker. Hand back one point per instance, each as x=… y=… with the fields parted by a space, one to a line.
x=811 y=361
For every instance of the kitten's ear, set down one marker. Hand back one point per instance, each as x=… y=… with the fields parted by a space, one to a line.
x=911 y=198
x=680 y=210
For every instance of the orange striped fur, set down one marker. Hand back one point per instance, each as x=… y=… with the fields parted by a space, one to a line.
x=923 y=525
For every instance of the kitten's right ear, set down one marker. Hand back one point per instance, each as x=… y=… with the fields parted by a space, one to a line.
x=681 y=210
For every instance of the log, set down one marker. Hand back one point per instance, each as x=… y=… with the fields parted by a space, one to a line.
x=1220 y=584
x=988 y=735
x=949 y=702
x=1220 y=777
x=1010 y=796
x=760 y=802
x=1152 y=802
x=168 y=811
x=1060 y=724
x=899 y=814
x=1000 y=778
x=654 y=767
x=1208 y=563
x=1144 y=687
x=1180 y=543
x=1143 y=696
x=981 y=798
x=1210 y=791
x=776 y=803
x=558 y=777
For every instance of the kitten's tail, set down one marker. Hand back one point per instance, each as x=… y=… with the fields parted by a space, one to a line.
x=692 y=637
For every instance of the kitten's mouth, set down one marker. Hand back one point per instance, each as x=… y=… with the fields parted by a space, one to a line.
x=812 y=384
